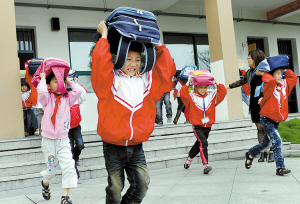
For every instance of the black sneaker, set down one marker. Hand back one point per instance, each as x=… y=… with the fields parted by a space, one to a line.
x=207 y=169
x=281 y=171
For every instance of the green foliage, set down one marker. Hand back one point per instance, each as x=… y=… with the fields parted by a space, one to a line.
x=90 y=55
x=290 y=131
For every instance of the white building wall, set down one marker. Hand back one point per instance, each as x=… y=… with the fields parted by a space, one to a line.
x=55 y=43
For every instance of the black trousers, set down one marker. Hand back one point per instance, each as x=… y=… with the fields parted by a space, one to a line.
x=180 y=108
x=201 y=144
x=27 y=117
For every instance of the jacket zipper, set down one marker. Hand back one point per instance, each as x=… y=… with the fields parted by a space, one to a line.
x=131 y=128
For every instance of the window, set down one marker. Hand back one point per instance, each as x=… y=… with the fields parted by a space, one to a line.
x=188 y=49
x=25 y=45
x=80 y=43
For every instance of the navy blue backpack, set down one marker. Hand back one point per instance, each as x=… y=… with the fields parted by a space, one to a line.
x=126 y=25
x=34 y=64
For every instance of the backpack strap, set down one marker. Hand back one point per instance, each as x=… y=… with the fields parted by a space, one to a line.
x=59 y=74
x=150 y=58
x=122 y=53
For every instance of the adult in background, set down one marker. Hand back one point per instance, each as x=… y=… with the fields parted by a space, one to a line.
x=254 y=58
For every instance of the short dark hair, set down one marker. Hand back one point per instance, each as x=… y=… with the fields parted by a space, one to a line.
x=49 y=77
x=257 y=55
x=136 y=47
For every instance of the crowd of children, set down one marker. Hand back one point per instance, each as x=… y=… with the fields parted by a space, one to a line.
x=127 y=103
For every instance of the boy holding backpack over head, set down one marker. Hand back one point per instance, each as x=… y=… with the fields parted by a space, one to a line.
x=55 y=127
x=126 y=109
x=201 y=105
x=274 y=107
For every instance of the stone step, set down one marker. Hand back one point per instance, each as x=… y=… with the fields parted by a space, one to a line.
x=25 y=167
x=97 y=171
x=294 y=152
x=35 y=141
x=295 y=146
x=96 y=146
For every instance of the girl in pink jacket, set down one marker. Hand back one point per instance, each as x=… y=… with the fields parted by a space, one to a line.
x=55 y=127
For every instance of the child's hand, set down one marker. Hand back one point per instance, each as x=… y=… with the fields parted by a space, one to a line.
x=259 y=100
x=43 y=75
x=259 y=73
x=67 y=81
x=157 y=45
x=102 y=29
x=190 y=79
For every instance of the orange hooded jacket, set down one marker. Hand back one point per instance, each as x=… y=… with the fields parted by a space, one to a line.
x=126 y=105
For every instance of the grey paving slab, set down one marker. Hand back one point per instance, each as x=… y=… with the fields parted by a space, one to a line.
x=229 y=183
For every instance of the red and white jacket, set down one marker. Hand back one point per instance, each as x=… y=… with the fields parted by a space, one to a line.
x=126 y=105
x=196 y=104
x=274 y=104
x=75 y=109
x=29 y=98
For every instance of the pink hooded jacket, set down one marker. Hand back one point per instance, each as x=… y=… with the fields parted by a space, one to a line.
x=62 y=121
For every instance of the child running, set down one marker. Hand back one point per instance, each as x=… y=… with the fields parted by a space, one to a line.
x=126 y=109
x=274 y=109
x=201 y=105
x=55 y=127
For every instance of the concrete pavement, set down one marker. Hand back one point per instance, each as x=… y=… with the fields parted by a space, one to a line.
x=228 y=183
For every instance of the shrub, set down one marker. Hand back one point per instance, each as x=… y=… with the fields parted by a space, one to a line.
x=290 y=131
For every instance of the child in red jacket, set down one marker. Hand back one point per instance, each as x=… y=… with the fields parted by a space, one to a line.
x=274 y=109
x=201 y=105
x=29 y=99
x=126 y=108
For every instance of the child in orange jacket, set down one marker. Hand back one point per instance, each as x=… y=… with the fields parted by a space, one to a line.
x=126 y=108
x=274 y=109
x=201 y=105
x=29 y=99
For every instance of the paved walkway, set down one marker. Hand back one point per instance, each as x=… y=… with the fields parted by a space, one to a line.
x=228 y=182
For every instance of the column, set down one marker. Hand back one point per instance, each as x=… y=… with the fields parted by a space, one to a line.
x=223 y=55
x=11 y=114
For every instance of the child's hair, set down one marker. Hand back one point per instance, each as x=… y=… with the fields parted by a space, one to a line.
x=49 y=77
x=257 y=56
x=282 y=68
x=136 y=47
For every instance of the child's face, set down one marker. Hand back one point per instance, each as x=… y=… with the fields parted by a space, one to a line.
x=132 y=64
x=277 y=75
x=53 y=85
x=24 y=88
x=201 y=89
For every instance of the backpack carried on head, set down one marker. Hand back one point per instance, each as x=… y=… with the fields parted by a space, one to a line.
x=33 y=65
x=202 y=78
x=59 y=67
x=126 y=25
x=185 y=73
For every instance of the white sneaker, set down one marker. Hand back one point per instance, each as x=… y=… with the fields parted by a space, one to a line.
x=188 y=162
x=79 y=181
x=158 y=124
x=37 y=132
x=169 y=120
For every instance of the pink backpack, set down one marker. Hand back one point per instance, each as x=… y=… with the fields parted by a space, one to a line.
x=202 y=78
x=59 y=67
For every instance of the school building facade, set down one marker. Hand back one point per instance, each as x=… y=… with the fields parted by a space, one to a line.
x=212 y=34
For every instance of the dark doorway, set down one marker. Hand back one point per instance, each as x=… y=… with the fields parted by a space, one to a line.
x=285 y=47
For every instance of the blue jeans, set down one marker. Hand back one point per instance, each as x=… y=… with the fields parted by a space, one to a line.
x=166 y=99
x=271 y=137
x=132 y=160
x=34 y=122
x=27 y=117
